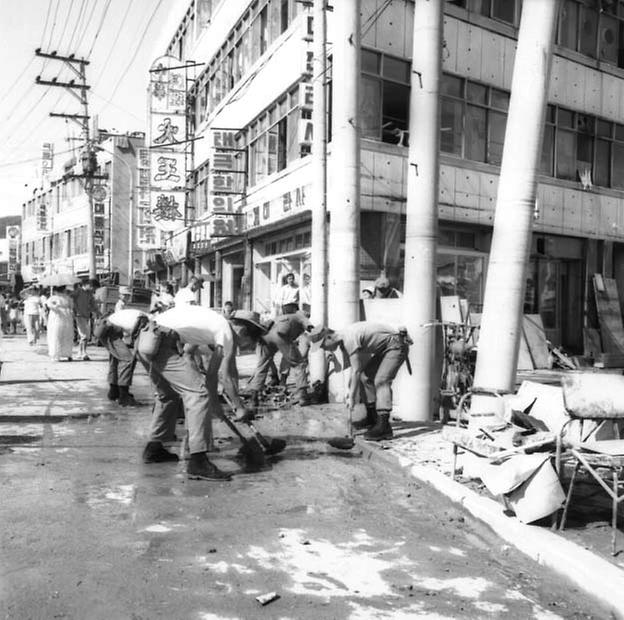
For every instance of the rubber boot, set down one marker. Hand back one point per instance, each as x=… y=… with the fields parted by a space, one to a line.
x=199 y=467
x=370 y=419
x=113 y=392
x=382 y=429
x=302 y=398
x=125 y=398
x=155 y=452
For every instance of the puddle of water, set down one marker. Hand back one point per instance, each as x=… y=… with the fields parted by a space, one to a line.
x=98 y=497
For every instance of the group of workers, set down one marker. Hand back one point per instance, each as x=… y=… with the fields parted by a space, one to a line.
x=187 y=350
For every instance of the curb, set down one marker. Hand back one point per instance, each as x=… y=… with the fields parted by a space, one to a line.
x=590 y=573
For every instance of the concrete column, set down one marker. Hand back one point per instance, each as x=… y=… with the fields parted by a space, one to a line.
x=501 y=322
x=416 y=395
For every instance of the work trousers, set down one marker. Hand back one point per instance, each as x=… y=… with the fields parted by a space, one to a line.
x=378 y=375
x=31 y=322
x=121 y=362
x=291 y=358
x=177 y=378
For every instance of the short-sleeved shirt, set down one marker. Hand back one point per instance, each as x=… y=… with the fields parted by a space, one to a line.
x=368 y=337
x=84 y=303
x=31 y=305
x=198 y=325
x=185 y=296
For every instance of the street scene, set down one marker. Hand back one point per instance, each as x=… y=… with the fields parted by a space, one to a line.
x=312 y=309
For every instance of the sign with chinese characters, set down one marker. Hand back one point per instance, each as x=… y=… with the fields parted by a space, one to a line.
x=166 y=169
x=306 y=88
x=147 y=237
x=168 y=86
x=99 y=231
x=13 y=234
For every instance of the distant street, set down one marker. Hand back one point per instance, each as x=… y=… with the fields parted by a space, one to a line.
x=91 y=532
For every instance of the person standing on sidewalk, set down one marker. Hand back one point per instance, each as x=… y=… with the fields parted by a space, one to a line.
x=85 y=307
x=375 y=353
x=188 y=295
x=282 y=336
x=287 y=301
x=31 y=314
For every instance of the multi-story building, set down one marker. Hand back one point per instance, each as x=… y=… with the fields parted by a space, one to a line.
x=54 y=229
x=256 y=80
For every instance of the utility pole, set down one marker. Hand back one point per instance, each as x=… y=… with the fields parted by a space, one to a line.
x=89 y=160
x=318 y=313
x=419 y=307
x=501 y=322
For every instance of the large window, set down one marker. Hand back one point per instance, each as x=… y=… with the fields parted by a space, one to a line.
x=384 y=101
x=273 y=138
x=502 y=10
x=264 y=22
x=473 y=118
x=594 y=28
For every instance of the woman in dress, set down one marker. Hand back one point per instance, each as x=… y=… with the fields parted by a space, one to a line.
x=60 y=325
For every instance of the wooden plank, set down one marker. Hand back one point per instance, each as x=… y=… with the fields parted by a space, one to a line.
x=609 y=314
x=592 y=346
x=535 y=335
x=450 y=309
x=525 y=362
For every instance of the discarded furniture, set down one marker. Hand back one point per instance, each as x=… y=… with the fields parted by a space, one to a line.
x=594 y=400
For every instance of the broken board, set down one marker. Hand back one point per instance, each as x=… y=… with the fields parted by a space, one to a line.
x=591 y=342
x=609 y=314
x=525 y=362
x=450 y=309
x=533 y=329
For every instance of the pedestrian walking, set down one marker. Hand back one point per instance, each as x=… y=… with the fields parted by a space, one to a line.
x=85 y=307
x=60 y=334
x=188 y=294
x=375 y=352
x=31 y=314
x=15 y=314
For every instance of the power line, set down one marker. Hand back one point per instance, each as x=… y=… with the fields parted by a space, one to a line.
x=117 y=106
x=47 y=19
x=58 y=3
x=69 y=11
x=136 y=51
x=9 y=90
x=86 y=26
x=114 y=44
x=97 y=34
x=81 y=13
x=32 y=159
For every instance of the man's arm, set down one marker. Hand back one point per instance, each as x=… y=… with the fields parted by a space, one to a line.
x=354 y=380
x=229 y=377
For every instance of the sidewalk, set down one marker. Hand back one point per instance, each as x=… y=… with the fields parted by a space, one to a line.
x=33 y=389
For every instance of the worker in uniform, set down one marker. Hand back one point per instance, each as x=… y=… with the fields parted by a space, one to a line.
x=282 y=335
x=375 y=352
x=117 y=332
x=183 y=350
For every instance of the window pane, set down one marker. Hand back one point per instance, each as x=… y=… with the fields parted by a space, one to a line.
x=565 y=118
x=496 y=137
x=395 y=101
x=601 y=167
x=608 y=42
x=618 y=166
x=370 y=62
x=475 y=133
x=589 y=31
x=546 y=164
x=476 y=93
x=503 y=10
x=282 y=144
x=499 y=99
x=451 y=127
x=395 y=69
x=445 y=274
x=273 y=143
x=584 y=152
x=293 y=141
x=450 y=85
x=566 y=155
x=551 y=113
x=469 y=281
x=603 y=128
x=568 y=24
x=370 y=108
x=619 y=132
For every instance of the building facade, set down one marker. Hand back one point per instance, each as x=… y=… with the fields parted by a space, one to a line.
x=256 y=85
x=54 y=229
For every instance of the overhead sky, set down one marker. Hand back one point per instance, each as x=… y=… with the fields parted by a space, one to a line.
x=120 y=38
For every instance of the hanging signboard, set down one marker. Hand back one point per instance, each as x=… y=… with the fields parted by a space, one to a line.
x=165 y=174
x=147 y=237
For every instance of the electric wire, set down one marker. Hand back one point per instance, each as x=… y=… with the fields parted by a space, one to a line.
x=99 y=28
x=76 y=24
x=141 y=120
x=58 y=3
x=9 y=90
x=138 y=47
x=85 y=27
x=31 y=159
x=47 y=19
x=69 y=12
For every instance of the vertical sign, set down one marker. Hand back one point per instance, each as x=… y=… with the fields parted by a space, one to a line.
x=167 y=140
x=13 y=233
x=147 y=234
x=42 y=212
x=305 y=86
x=47 y=159
x=99 y=228
x=226 y=183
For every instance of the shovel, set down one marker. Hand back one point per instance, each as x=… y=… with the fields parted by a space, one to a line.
x=270 y=446
x=344 y=443
x=252 y=450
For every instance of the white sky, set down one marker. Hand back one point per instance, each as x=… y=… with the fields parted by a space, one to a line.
x=132 y=34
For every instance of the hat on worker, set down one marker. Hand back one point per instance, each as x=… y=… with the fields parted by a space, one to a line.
x=382 y=282
x=317 y=334
x=248 y=316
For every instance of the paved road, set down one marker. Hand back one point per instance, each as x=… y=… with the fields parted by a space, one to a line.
x=91 y=532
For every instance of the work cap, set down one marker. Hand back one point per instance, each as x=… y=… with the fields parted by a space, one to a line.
x=248 y=316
